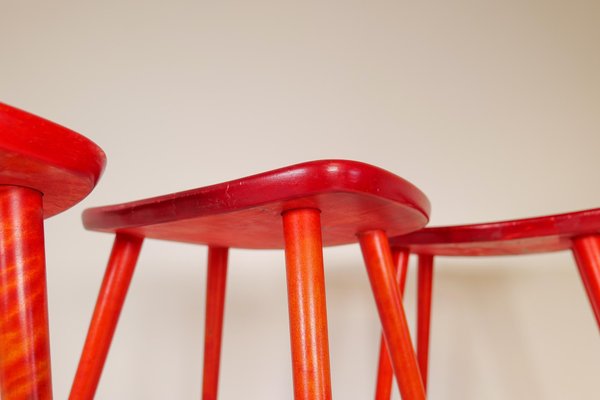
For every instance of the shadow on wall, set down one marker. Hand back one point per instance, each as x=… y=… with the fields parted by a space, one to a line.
x=493 y=327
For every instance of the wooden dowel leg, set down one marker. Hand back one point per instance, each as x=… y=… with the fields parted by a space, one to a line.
x=378 y=260
x=307 y=306
x=213 y=327
x=424 y=289
x=385 y=373
x=24 y=338
x=587 y=254
x=113 y=291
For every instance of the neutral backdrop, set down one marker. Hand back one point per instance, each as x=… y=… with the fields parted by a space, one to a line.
x=490 y=107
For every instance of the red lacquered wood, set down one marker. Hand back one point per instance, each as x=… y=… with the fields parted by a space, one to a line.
x=378 y=260
x=213 y=327
x=522 y=236
x=424 y=290
x=24 y=339
x=245 y=213
x=113 y=291
x=587 y=253
x=345 y=196
x=385 y=373
x=52 y=159
x=307 y=306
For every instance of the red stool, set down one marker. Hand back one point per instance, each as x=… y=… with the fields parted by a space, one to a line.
x=578 y=231
x=46 y=169
x=300 y=209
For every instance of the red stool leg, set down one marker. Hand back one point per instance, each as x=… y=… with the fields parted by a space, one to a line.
x=587 y=255
x=306 y=301
x=378 y=260
x=424 y=287
x=24 y=338
x=213 y=327
x=113 y=291
x=385 y=372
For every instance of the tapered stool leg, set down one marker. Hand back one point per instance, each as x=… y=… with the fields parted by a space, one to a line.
x=378 y=260
x=113 y=291
x=424 y=288
x=587 y=255
x=213 y=327
x=307 y=307
x=385 y=373
x=24 y=339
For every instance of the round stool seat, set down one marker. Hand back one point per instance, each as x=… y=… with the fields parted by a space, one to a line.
x=36 y=153
x=520 y=236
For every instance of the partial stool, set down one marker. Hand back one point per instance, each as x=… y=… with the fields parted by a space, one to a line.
x=44 y=170
x=576 y=231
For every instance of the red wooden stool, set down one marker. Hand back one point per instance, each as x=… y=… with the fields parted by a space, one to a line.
x=299 y=208
x=45 y=169
x=577 y=231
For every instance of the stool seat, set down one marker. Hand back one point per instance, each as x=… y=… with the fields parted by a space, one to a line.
x=246 y=213
x=521 y=236
x=38 y=154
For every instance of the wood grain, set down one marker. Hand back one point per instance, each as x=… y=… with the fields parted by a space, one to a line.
x=24 y=339
x=307 y=306
x=246 y=213
x=47 y=157
x=378 y=260
x=113 y=291
x=385 y=372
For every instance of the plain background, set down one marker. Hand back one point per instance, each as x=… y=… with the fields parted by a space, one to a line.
x=490 y=107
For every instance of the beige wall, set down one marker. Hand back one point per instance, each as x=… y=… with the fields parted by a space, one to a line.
x=491 y=107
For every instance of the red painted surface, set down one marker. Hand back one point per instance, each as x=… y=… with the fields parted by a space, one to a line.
x=344 y=197
x=522 y=236
x=379 y=263
x=44 y=169
x=307 y=306
x=587 y=253
x=424 y=289
x=579 y=231
x=216 y=279
x=385 y=372
x=110 y=301
x=52 y=159
x=245 y=213
x=24 y=340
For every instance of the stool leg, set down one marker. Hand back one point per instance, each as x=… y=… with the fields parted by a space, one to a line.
x=117 y=277
x=213 y=326
x=385 y=372
x=306 y=301
x=378 y=260
x=24 y=338
x=587 y=254
x=424 y=287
